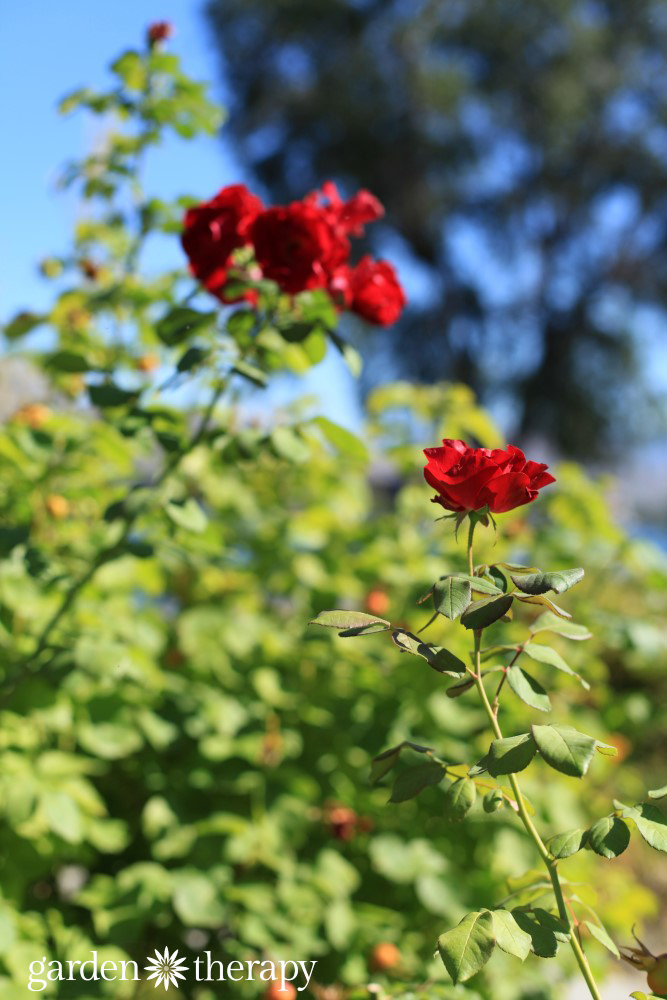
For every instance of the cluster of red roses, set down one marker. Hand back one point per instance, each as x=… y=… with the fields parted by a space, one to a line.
x=301 y=246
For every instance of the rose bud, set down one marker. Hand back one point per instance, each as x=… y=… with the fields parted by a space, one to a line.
x=342 y=821
x=147 y=363
x=32 y=415
x=57 y=506
x=89 y=269
x=174 y=657
x=377 y=602
x=275 y=992
x=384 y=956
x=158 y=32
x=657 y=977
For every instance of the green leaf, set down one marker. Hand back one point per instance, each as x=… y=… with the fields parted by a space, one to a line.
x=658 y=793
x=528 y=689
x=553 y=922
x=564 y=845
x=180 y=323
x=541 y=583
x=131 y=69
x=459 y=799
x=109 y=394
x=492 y=652
x=251 y=372
x=21 y=324
x=541 y=599
x=517 y=567
x=68 y=361
x=192 y=357
x=63 y=816
x=188 y=515
x=436 y=656
x=385 y=761
x=564 y=748
x=638 y=995
x=652 y=825
x=545 y=654
x=549 y=622
x=415 y=779
x=241 y=324
x=493 y=801
x=288 y=444
x=483 y=613
x=600 y=934
x=477 y=583
x=196 y=900
x=344 y=441
x=543 y=941
x=510 y=755
x=351 y=622
x=451 y=597
x=510 y=937
x=468 y=947
x=606 y=749
x=350 y=355
x=456 y=690
x=498 y=578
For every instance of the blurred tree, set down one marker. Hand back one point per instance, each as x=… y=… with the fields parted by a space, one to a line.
x=520 y=151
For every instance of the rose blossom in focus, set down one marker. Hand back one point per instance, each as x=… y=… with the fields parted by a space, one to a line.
x=472 y=478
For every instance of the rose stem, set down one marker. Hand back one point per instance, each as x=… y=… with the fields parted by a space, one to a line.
x=550 y=862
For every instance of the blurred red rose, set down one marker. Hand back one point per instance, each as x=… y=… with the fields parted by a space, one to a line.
x=213 y=230
x=159 y=31
x=471 y=478
x=297 y=247
x=348 y=217
x=375 y=292
x=377 y=601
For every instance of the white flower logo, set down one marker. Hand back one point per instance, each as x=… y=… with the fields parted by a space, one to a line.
x=166 y=968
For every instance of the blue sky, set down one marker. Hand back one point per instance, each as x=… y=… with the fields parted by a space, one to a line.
x=46 y=50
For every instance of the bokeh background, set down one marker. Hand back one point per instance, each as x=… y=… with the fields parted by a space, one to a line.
x=173 y=778
x=521 y=161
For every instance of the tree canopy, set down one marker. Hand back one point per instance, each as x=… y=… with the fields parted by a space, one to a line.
x=520 y=152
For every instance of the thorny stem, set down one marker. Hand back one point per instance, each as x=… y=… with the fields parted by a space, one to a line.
x=506 y=670
x=550 y=862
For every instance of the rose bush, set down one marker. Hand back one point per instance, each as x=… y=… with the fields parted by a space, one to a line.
x=181 y=764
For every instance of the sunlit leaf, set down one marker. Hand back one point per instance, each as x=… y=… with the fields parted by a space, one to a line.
x=467 y=948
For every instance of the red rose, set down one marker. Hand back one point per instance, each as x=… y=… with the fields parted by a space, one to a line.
x=159 y=31
x=347 y=217
x=214 y=229
x=472 y=478
x=296 y=246
x=375 y=292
